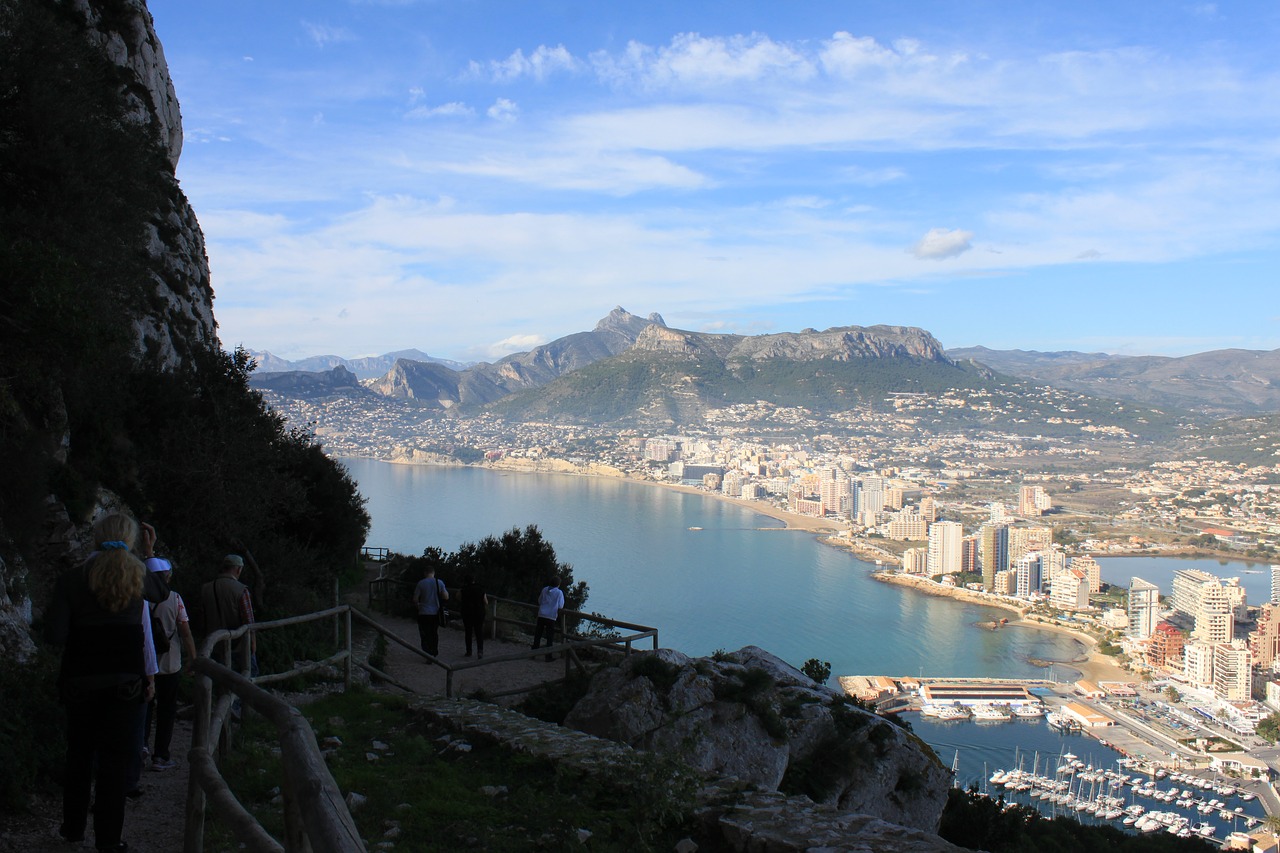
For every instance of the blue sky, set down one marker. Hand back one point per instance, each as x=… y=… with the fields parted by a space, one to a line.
x=472 y=178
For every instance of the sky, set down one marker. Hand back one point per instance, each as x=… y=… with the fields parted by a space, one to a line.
x=475 y=177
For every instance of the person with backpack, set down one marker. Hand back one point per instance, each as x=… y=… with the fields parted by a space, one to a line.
x=429 y=597
x=169 y=625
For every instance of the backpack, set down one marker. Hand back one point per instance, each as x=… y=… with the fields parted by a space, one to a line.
x=158 y=637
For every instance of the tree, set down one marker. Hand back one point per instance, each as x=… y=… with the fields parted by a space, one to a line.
x=818 y=670
x=1269 y=728
x=1172 y=694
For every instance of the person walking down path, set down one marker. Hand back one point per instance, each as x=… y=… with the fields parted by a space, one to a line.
x=429 y=597
x=171 y=618
x=107 y=676
x=225 y=603
x=474 y=608
x=550 y=603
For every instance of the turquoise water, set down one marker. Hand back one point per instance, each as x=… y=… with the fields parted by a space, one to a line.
x=740 y=580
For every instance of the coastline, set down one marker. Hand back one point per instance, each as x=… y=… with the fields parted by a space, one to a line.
x=1092 y=665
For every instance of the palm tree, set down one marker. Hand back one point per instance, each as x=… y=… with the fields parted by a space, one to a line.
x=1271 y=823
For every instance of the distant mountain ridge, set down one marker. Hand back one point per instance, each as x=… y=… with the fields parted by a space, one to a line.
x=1219 y=382
x=364 y=368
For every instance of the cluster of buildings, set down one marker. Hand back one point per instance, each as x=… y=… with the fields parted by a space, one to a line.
x=1204 y=635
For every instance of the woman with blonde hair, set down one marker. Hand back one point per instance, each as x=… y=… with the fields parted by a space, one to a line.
x=107 y=675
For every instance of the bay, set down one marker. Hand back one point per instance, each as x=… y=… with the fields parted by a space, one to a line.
x=1254 y=577
x=741 y=579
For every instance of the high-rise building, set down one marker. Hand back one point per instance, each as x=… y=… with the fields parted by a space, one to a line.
x=969 y=560
x=1069 y=590
x=1275 y=584
x=993 y=552
x=1164 y=649
x=1144 y=607
x=1006 y=582
x=944 y=547
x=1188 y=587
x=1092 y=571
x=1197 y=663
x=1029 y=578
x=1215 y=617
x=1232 y=671
x=1033 y=501
x=915 y=561
x=1024 y=540
x=1264 y=640
x=929 y=509
x=1053 y=562
x=907 y=526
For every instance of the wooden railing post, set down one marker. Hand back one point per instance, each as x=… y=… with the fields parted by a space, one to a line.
x=202 y=706
x=346 y=674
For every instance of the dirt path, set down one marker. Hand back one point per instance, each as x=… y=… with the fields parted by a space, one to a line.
x=154 y=822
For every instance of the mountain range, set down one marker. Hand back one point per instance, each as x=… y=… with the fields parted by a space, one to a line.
x=631 y=368
x=1219 y=383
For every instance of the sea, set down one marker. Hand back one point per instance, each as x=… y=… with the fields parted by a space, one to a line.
x=712 y=575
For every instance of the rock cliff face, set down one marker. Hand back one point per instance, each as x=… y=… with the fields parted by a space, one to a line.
x=91 y=141
x=754 y=717
x=841 y=343
x=181 y=311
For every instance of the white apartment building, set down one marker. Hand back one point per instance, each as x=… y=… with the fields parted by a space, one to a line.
x=1005 y=582
x=1144 y=608
x=1092 y=571
x=915 y=561
x=1197 y=664
x=1215 y=616
x=1232 y=671
x=1069 y=590
x=1027 y=573
x=907 y=526
x=1053 y=562
x=945 y=547
x=1188 y=587
x=1275 y=584
x=1024 y=540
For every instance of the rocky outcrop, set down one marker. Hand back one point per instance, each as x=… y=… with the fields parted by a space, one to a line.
x=732 y=815
x=751 y=716
x=843 y=343
x=306 y=385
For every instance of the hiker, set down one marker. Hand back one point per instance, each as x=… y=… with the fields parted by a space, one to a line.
x=173 y=625
x=106 y=678
x=429 y=597
x=474 y=606
x=225 y=603
x=550 y=603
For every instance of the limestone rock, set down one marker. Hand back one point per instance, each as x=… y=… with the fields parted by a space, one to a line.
x=752 y=716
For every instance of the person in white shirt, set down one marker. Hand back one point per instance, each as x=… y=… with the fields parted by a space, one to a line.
x=550 y=603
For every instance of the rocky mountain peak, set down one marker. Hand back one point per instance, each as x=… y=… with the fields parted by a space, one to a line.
x=621 y=320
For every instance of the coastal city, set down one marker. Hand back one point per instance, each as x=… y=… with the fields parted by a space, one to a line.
x=1179 y=679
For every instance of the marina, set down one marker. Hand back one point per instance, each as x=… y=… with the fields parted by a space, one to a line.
x=1064 y=750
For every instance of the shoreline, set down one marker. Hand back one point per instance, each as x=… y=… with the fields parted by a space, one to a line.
x=1091 y=665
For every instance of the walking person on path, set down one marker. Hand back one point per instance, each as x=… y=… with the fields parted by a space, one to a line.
x=474 y=607
x=550 y=603
x=225 y=603
x=108 y=674
x=429 y=597
x=171 y=618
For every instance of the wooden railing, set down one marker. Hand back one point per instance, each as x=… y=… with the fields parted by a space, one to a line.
x=315 y=816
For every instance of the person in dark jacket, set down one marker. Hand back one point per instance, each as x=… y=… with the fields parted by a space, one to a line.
x=475 y=603
x=107 y=677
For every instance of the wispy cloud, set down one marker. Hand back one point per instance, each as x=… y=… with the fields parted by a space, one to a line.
x=541 y=63
x=323 y=35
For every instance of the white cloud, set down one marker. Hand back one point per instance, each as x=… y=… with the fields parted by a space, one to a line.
x=539 y=65
x=323 y=35
x=453 y=109
x=515 y=343
x=503 y=110
x=691 y=60
x=942 y=243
